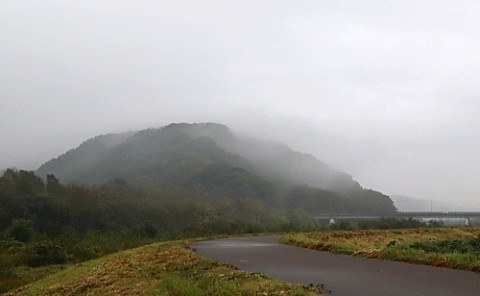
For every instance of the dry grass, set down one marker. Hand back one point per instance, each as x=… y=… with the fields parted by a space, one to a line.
x=390 y=244
x=157 y=269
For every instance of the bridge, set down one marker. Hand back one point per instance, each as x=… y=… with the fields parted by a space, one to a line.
x=399 y=215
x=466 y=215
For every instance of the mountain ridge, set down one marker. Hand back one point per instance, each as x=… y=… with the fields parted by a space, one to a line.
x=205 y=159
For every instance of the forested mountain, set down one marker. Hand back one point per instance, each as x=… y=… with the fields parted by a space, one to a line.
x=209 y=161
x=117 y=191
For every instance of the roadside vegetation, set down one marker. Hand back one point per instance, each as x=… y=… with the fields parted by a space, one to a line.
x=50 y=231
x=168 y=268
x=457 y=248
x=46 y=226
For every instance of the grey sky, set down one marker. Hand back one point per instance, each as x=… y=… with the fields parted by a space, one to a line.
x=387 y=91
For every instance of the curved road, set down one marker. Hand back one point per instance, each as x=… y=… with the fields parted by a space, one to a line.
x=342 y=275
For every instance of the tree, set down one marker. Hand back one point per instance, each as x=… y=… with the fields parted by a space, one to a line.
x=8 y=182
x=20 y=230
x=53 y=185
x=20 y=182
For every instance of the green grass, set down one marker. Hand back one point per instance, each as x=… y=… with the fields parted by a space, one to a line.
x=158 y=269
x=23 y=275
x=445 y=247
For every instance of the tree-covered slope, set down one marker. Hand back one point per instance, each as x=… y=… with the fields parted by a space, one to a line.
x=159 y=161
x=208 y=160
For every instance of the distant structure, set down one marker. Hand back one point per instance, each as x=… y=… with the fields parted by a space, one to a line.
x=465 y=218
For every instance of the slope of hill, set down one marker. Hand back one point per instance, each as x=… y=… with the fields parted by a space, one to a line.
x=208 y=160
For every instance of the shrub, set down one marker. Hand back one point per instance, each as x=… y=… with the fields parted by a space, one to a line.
x=45 y=254
x=467 y=246
x=20 y=230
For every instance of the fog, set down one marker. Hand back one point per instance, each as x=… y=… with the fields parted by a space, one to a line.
x=386 y=91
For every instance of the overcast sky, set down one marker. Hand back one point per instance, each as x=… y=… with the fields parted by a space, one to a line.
x=387 y=91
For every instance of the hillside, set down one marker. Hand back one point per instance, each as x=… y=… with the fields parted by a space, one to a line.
x=208 y=160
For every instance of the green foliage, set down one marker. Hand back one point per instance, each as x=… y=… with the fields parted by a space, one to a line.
x=445 y=247
x=208 y=161
x=319 y=201
x=342 y=225
x=87 y=222
x=223 y=180
x=12 y=253
x=146 y=230
x=53 y=185
x=57 y=224
x=46 y=253
x=466 y=246
x=20 y=230
x=390 y=223
x=159 y=269
x=20 y=182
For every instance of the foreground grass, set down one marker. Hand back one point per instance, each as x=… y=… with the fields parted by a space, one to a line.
x=157 y=269
x=22 y=275
x=396 y=245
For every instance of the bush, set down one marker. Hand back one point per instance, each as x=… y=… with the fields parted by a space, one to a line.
x=20 y=230
x=343 y=225
x=12 y=253
x=467 y=246
x=45 y=254
x=146 y=230
x=390 y=223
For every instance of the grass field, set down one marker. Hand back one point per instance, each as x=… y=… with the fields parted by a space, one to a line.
x=157 y=269
x=446 y=247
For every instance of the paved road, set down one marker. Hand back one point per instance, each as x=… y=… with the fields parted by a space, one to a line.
x=343 y=275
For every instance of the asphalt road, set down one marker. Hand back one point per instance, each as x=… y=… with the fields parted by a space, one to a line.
x=342 y=275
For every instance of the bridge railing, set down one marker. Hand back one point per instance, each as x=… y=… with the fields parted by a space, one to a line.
x=423 y=214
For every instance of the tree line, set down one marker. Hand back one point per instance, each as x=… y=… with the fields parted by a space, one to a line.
x=46 y=222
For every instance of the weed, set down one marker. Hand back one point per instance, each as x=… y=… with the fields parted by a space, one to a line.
x=158 y=269
x=447 y=247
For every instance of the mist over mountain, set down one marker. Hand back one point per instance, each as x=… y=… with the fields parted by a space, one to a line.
x=209 y=161
x=410 y=204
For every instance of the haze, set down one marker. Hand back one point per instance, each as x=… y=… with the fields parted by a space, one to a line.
x=386 y=91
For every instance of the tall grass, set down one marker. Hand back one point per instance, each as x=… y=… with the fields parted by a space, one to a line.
x=447 y=247
x=158 y=269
